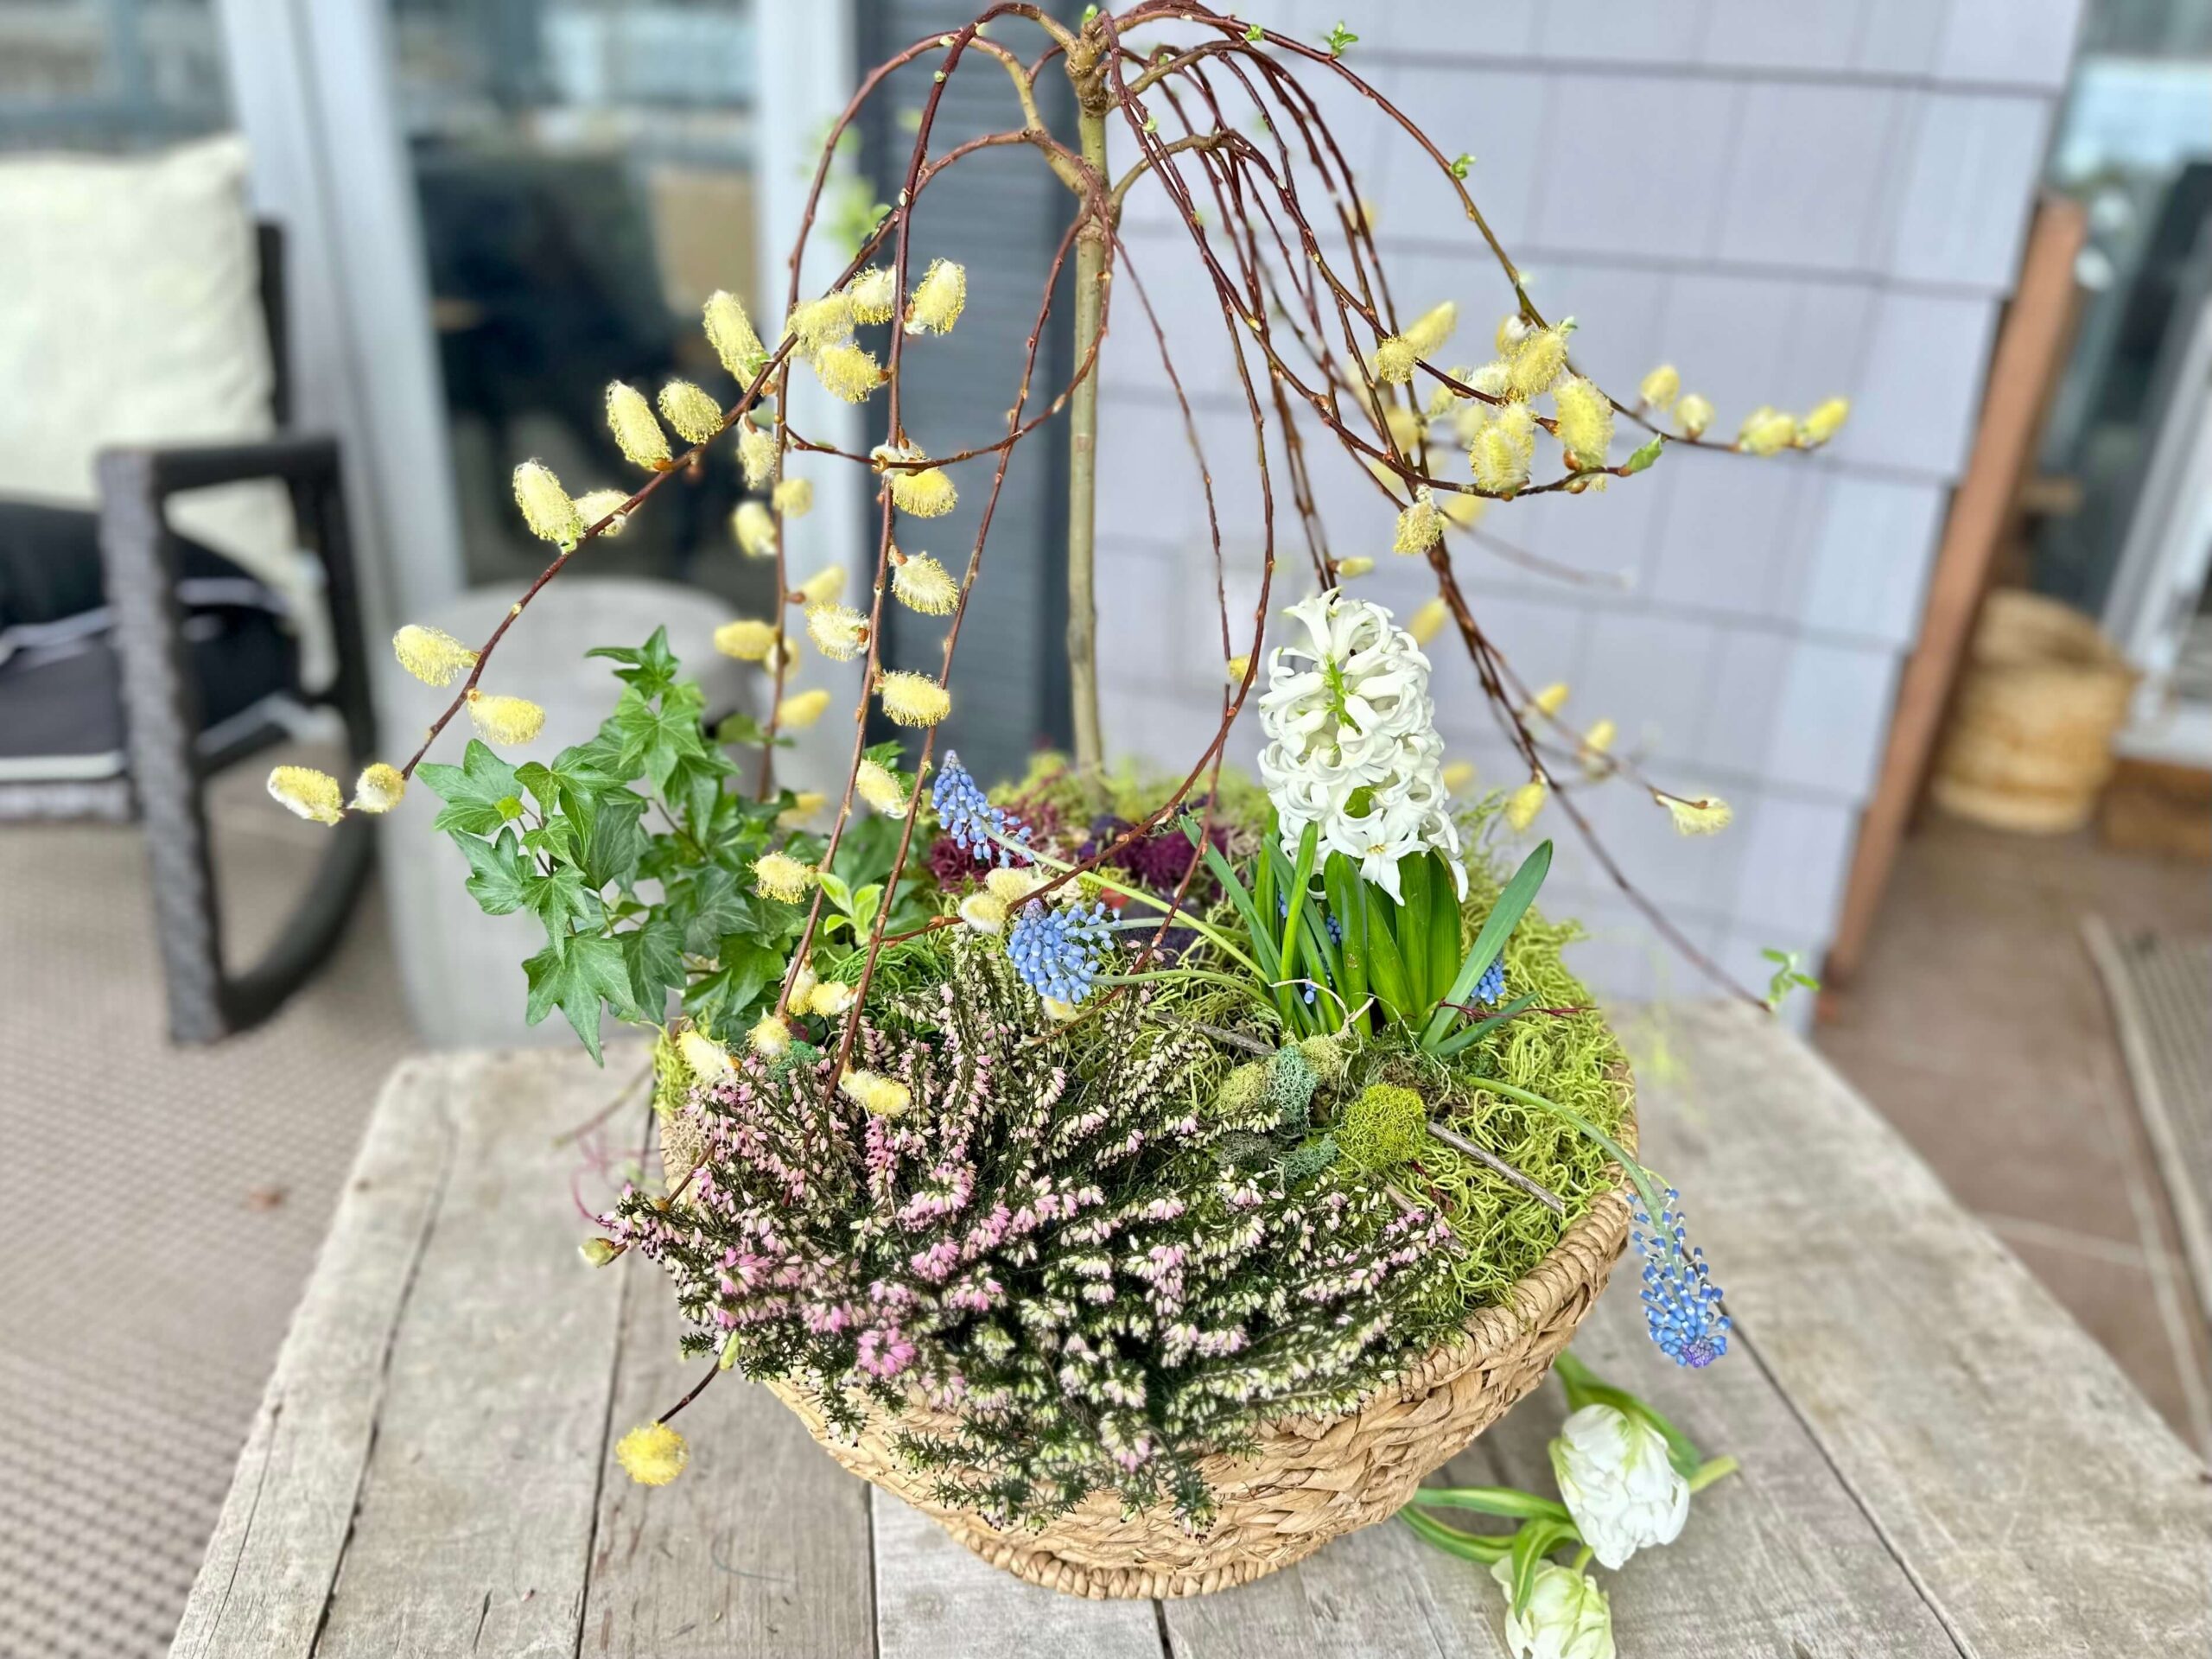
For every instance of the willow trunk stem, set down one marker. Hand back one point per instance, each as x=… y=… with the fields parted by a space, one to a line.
x=1090 y=252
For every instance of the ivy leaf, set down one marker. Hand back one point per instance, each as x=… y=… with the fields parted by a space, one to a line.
x=577 y=975
x=1642 y=460
x=725 y=997
x=706 y=907
x=481 y=795
x=617 y=841
x=560 y=900
x=495 y=879
x=654 y=954
x=743 y=730
x=651 y=669
x=653 y=737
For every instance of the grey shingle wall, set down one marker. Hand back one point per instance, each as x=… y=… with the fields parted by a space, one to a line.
x=1786 y=201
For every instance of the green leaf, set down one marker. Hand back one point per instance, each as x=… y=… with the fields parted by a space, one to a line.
x=1348 y=904
x=481 y=795
x=1583 y=1388
x=707 y=906
x=1462 y=165
x=1536 y=1539
x=1443 y=921
x=1412 y=929
x=1261 y=938
x=837 y=891
x=1646 y=454
x=1339 y=38
x=1297 y=895
x=654 y=955
x=652 y=670
x=743 y=730
x=1505 y=915
x=560 y=900
x=1508 y=1501
x=1461 y=1038
x=578 y=976
x=721 y=1000
x=618 y=840
x=495 y=879
x=1386 y=967
x=1467 y=1545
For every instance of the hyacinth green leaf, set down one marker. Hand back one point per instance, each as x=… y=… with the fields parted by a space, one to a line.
x=1386 y=966
x=1459 y=1040
x=1348 y=904
x=1293 y=920
x=1412 y=921
x=1505 y=915
x=1443 y=921
x=1263 y=938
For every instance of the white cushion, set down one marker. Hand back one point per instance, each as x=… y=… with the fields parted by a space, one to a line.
x=130 y=314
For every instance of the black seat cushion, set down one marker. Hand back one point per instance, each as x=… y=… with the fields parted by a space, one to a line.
x=59 y=698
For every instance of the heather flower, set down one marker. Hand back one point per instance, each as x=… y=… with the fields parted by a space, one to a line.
x=378 y=788
x=307 y=793
x=1618 y=1481
x=1352 y=746
x=967 y=817
x=431 y=655
x=1058 y=950
x=1681 y=1304
x=508 y=721
x=652 y=1455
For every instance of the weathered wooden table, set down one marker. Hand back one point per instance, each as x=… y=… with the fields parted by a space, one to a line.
x=1936 y=1461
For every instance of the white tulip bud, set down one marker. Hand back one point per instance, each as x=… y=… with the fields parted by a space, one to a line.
x=1568 y=1616
x=1616 y=1482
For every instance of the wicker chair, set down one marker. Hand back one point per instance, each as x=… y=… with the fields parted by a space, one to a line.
x=195 y=685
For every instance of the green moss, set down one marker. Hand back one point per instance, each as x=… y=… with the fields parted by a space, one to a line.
x=1386 y=1126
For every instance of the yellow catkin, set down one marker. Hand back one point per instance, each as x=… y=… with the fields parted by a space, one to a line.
x=793 y=497
x=839 y=632
x=754 y=527
x=801 y=709
x=1524 y=803
x=825 y=586
x=508 y=721
x=984 y=913
x=691 y=411
x=801 y=812
x=1433 y=328
x=926 y=494
x=1696 y=413
x=1704 y=816
x=546 y=508
x=1427 y=621
x=1661 y=387
x=748 y=640
x=653 y=1454
x=877 y=1095
x=1503 y=450
x=779 y=875
x=1358 y=565
x=707 y=1059
x=1394 y=358
x=1512 y=329
x=920 y=583
x=831 y=998
x=1585 y=426
x=1420 y=526
x=1463 y=510
x=880 y=787
x=1238 y=667
x=307 y=793
x=729 y=331
x=1407 y=428
x=630 y=418
x=769 y=1037
x=848 y=372
x=938 y=299
x=1551 y=699
x=1536 y=363
x=1456 y=776
x=1598 y=743
x=378 y=788
x=874 y=294
x=819 y=324
x=1826 y=420
x=595 y=504
x=911 y=699
x=756 y=453
x=1766 y=430
x=431 y=655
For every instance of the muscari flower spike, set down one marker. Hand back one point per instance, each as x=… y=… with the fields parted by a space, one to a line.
x=1489 y=989
x=1681 y=1303
x=1057 y=951
x=967 y=816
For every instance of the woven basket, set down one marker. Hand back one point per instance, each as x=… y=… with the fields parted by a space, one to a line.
x=1311 y=1479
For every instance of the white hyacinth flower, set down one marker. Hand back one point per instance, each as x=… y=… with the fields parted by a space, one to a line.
x=1615 y=1479
x=1351 y=741
x=1568 y=1616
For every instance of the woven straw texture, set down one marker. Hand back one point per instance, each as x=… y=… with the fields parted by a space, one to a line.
x=1311 y=1479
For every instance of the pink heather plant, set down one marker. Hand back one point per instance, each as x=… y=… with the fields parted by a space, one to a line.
x=967 y=1254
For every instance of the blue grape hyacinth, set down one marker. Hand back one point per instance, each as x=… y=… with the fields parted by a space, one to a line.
x=1681 y=1304
x=1057 y=951
x=1489 y=989
x=967 y=816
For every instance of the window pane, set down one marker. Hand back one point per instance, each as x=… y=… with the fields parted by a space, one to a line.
x=109 y=74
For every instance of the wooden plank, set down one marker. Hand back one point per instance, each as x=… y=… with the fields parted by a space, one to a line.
x=268 y=1572
x=934 y=1600
x=761 y=1546
x=472 y=1531
x=2038 y=1502
x=1776 y=1558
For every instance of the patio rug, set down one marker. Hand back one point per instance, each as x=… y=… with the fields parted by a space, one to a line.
x=165 y=1205
x=2160 y=987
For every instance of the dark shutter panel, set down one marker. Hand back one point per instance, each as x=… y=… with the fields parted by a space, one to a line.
x=1001 y=214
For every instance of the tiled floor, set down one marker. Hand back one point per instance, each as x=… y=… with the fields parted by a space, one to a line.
x=1980 y=1028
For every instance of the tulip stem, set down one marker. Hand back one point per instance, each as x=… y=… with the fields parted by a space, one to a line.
x=1711 y=1470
